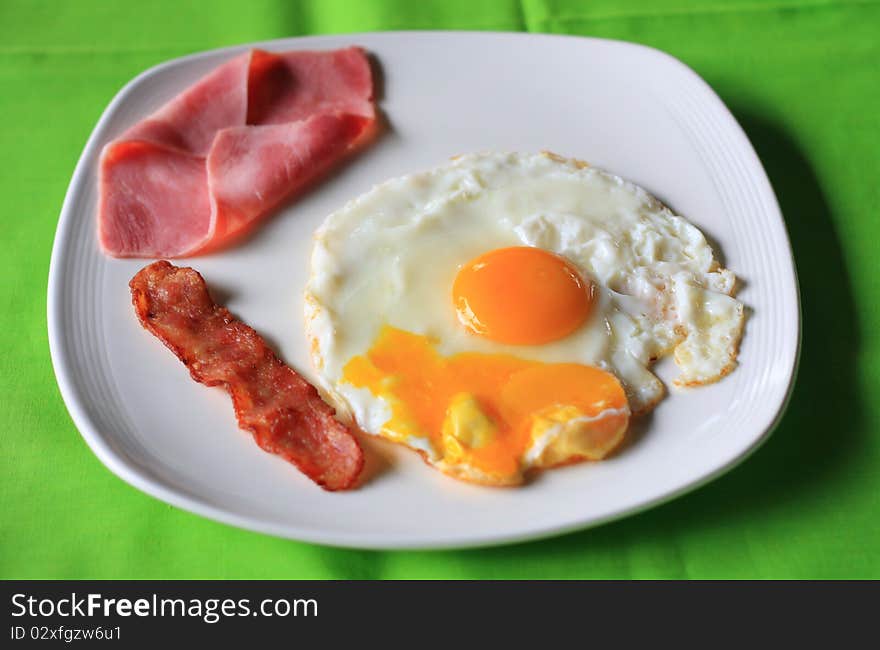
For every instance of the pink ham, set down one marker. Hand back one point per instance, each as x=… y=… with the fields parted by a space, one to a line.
x=203 y=169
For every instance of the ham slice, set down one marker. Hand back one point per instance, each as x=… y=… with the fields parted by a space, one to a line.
x=208 y=165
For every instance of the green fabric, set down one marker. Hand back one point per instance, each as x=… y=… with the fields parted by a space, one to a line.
x=800 y=75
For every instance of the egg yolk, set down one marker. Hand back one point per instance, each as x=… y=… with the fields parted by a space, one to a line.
x=522 y=296
x=484 y=411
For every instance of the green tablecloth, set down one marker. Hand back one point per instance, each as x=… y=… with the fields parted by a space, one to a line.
x=800 y=75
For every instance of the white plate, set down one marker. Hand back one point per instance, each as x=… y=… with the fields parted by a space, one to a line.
x=633 y=110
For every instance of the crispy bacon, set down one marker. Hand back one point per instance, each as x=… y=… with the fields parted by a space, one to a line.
x=284 y=412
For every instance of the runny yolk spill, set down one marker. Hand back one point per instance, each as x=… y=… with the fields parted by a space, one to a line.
x=522 y=296
x=479 y=409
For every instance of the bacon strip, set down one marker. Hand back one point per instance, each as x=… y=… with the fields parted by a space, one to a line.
x=284 y=412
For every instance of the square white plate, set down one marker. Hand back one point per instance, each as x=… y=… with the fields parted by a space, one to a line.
x=632 y=110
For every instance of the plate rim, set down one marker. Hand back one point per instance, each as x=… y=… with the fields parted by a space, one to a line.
x=134 y=476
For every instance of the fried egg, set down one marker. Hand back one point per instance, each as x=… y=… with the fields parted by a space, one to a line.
x=502 y=312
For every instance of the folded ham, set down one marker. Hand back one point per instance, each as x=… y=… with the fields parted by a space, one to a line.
x=204 y=168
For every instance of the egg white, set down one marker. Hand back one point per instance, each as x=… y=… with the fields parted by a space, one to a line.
x=390 y=257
